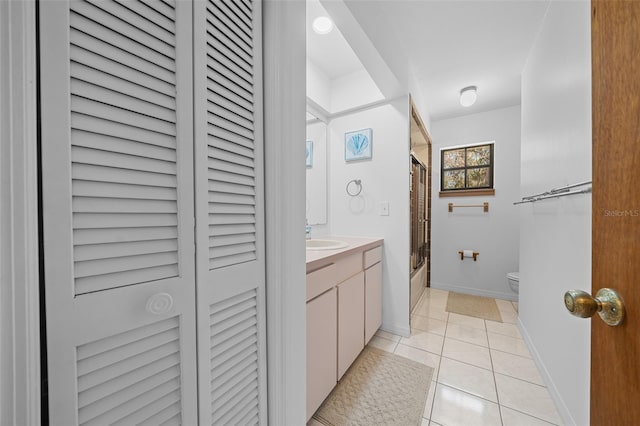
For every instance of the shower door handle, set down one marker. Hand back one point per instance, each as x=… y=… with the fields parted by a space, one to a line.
x=607 y=303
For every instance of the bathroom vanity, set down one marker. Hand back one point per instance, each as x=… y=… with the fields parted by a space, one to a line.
x=344 y=310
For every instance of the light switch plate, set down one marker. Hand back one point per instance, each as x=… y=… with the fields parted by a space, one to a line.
x=384 y=208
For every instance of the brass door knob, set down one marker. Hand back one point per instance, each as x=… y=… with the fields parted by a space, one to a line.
x=607 y=303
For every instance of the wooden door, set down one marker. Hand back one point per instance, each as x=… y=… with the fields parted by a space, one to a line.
x=117 y=187
x=615 y=370
x=230 y=212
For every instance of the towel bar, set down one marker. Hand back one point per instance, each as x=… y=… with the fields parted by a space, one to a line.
x=485 y=206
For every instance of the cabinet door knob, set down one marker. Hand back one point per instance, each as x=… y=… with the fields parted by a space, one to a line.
x=159 y=304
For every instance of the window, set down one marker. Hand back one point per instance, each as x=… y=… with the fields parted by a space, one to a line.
x=467 y=170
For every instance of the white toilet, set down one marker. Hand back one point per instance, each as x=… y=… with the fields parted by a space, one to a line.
x=514 y=281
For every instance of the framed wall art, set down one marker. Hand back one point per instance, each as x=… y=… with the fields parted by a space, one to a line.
x=357 y=145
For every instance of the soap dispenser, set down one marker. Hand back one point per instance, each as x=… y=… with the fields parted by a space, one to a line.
x=307 y=230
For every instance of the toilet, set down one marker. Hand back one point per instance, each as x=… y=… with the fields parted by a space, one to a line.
x=514 y=281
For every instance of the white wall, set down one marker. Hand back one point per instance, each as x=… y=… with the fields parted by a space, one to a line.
x=495 y=235
x=385 y=178
x=555 y=239
x=318 y=86
x=316 y=204
x=352 y=90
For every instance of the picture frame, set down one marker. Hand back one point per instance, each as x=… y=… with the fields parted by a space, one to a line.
x=358 y=145
x=309 y=155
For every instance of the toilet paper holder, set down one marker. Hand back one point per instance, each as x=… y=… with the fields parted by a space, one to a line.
x=474 y=255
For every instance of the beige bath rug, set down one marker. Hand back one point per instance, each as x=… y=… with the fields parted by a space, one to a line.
x=474 y=306
x=380 y=388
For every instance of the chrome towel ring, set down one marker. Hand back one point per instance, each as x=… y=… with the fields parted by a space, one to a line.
x=358 y=184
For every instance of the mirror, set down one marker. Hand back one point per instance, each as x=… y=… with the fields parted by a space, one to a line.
x=316 y=143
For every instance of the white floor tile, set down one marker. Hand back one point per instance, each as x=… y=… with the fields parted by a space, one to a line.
x=467 y=334
x=429 y=404
x=418 y=355
x=504 y=328
x=467 y=353
x=431 y=325
x=508 y=344
x=515 y=418
x=452 y=407
x=434 y=424
x=527 y=398
x=383 y=344
x=468 y=378
x=426 y=341
x=467 y=321
x=425 y=422
x=515 y=366
x=435 y=293
x=388 y=336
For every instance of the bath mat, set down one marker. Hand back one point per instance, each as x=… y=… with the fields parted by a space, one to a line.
x=474 y=306
x=379 y=388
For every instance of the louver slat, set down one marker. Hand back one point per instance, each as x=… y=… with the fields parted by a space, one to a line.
x=115 y=388
x=88 y=26
x=100 y=55
x=149 y=13
x=123 y=143
x=167 y=8
x=136 y=20
x=132 y=31
x=117 y=84
x=234 y=359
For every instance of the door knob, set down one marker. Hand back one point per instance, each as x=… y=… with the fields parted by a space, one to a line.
x=607 y=303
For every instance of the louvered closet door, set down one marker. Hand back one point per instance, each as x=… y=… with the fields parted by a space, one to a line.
x=229 y=212
x=117 y=163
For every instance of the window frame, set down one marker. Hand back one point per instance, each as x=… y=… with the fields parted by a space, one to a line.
x=466 y=190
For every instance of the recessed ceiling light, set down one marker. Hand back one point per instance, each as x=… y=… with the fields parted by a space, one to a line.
x=322 y=25
x=468 y=96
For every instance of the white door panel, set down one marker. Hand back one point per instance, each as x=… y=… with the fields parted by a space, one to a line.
x=229 y=212
x=118 y=211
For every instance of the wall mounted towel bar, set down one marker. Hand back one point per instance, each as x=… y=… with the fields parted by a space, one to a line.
x=556 y=193
x=485 y=206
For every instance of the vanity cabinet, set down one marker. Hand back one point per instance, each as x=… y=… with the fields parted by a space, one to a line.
x=372 y=292
x=350 y=321
x=344 y=310
x=322 y=348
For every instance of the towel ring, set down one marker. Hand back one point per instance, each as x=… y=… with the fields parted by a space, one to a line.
x=358 y=183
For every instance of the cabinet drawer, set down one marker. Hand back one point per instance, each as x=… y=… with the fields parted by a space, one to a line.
x=321 y=280
x=373 y=256
x=348 y=266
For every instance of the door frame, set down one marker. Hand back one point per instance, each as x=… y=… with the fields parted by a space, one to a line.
x=20 y=390
x=19 y=237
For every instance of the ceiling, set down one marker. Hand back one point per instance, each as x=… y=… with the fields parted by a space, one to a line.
x=444 y=44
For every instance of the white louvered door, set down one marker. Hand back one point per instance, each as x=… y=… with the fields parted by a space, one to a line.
x=117 y=166
x=229 y=212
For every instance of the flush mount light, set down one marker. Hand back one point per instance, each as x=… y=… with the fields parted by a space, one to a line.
x=322 y=25
x=468 y=96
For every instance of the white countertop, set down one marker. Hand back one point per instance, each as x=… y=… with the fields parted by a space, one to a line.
x=318 y=258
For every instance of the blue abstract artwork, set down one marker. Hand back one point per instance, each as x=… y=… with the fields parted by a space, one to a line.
x=357 y=145
x=309 y=161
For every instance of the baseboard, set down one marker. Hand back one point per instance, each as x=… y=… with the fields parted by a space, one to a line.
x=475 y=291
x=564 y=412
x=395 y=329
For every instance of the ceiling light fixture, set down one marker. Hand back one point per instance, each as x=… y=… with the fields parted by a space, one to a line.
x=322 y=25
x=468 y=96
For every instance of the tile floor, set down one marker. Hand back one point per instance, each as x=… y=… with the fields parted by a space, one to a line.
x=483 y=371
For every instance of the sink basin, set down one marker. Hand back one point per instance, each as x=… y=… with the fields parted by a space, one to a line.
x=319 y=244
